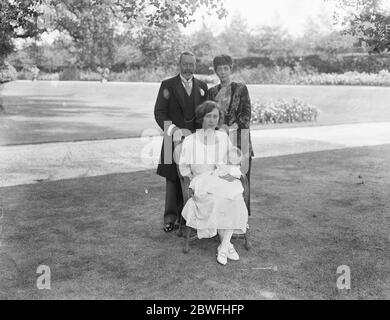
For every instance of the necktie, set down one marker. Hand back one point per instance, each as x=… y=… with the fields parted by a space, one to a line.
x=188 y=88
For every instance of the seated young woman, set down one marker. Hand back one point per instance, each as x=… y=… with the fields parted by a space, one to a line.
x=211 y=163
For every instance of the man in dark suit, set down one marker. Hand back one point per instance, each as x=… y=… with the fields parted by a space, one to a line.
x=175 y=114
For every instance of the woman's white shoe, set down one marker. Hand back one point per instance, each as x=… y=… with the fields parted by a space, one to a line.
x=221 y=256
x=232 y=253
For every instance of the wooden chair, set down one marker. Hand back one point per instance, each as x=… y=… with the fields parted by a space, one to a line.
x=187 y=194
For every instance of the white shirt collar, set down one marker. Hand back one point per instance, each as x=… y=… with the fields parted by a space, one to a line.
x=185 y=80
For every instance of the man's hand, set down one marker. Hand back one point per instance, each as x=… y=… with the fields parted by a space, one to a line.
x=228 y=177
x=225 y=128
x=187 y=180
x=234 y=126
x=177 y=135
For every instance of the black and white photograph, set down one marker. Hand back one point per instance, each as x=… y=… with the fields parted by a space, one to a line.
x=194 y=150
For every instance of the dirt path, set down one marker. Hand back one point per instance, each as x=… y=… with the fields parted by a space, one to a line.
x=28 y=164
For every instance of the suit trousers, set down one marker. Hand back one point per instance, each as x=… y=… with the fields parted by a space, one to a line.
x=248 y=176
x=173 y=201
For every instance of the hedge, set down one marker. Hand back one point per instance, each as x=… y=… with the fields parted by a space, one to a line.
x=366 y=63
x=283 y=111
x=7 y=73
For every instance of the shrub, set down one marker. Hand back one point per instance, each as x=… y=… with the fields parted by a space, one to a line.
x=28 y=72
x=7 y=72
x=263 y=75
x=322 y=63
x=49 y=76
x=282 y=111
x=253 y=62
x=144 y=75
x=90 y=76
x=211 y=79
x=298 y=75
x=301 y=76
x=24 y=75
x=349 y=78
x=69 y=74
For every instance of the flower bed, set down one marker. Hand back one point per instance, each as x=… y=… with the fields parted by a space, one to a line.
x=282 y=111
x=349 y=78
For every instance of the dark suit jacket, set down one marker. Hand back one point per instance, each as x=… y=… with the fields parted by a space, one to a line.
x=170 y=107
x=239 y=111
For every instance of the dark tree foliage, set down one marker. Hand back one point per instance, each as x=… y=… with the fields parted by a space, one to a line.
x=18 y=19
x=367 y=20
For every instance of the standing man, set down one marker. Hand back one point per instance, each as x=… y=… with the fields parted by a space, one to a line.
x=175 y=114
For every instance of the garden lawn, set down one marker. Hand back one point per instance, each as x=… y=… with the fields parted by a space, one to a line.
x=102 y=236
x=70 y=111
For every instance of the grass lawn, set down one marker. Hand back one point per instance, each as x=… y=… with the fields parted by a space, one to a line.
x=102 y=236
x=69 y=111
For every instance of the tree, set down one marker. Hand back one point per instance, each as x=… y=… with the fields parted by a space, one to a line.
x=157 y=12
x=18 y=19
x=126 y=53
x=271 y=41
x=234 y=40
x=48 y=57
x=204 y=44
x=94 y=24
x=160 y=45
x=368 y=20
x=91 y=26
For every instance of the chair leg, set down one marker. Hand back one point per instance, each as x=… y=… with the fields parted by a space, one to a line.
x=247 y=244
x=186 y=248
x=180 y=231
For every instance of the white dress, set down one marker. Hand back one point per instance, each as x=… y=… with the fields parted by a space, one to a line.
x=216 y=203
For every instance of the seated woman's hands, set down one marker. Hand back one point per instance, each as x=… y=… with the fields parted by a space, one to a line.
x=225 y=128
x=228 y=177
x=227 y=172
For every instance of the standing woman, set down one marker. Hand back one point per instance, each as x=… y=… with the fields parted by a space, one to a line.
x=233 y=98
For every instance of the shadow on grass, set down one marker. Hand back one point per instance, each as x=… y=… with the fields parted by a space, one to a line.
x=36 y=120
x=102 y=236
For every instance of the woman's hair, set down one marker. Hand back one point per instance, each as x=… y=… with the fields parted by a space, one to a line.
x=222 y=60
x=205 y=108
